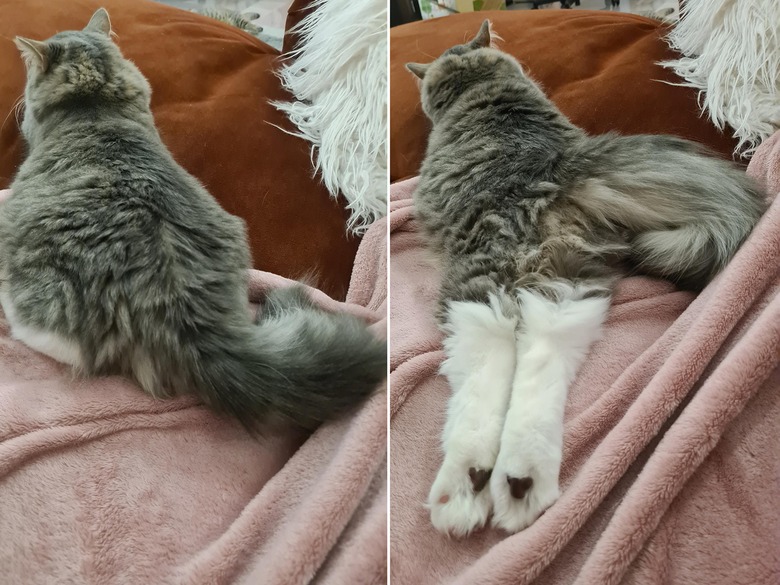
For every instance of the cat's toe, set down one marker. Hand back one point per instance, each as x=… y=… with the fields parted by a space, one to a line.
x=523 y=485
x=459 y=500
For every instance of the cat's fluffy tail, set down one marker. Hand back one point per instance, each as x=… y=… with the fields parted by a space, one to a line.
x=298 y=363
x=685 y=212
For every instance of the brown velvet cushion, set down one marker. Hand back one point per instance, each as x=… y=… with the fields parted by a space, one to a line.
x=211 y=86
x=599 y=68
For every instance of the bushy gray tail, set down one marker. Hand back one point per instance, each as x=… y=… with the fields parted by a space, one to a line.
x=686 y=213
x=298 y=363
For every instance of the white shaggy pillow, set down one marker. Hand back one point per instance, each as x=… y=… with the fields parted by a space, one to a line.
x=338 y=75
x=731 y=53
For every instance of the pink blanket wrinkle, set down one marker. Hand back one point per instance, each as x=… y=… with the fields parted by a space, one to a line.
x=671 y=471
x=100 y=484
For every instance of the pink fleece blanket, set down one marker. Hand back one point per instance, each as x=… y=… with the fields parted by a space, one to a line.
x=101 y=484
x=671 y=470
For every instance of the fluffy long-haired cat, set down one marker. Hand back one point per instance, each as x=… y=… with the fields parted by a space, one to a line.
x=533 y=222
x=115 y=260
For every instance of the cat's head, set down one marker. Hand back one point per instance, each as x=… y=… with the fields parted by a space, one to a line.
x=75 y=68
x=461 y=67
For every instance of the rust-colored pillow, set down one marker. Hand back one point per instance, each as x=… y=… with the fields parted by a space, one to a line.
x=211 y=86
x=599 y=68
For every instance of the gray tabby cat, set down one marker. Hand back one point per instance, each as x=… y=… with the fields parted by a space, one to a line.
x=115 y=260
x=533 y=221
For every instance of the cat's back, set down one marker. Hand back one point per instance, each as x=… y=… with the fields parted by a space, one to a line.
x=110 y=164
x=109 y=190
x=116 y=156
x=497 y=137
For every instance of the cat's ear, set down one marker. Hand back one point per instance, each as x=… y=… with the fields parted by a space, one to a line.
x=34 y=53
x=99 y=23
x=484 y=36
x=418 y=69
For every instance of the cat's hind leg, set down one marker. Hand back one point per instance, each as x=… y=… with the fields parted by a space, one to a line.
x=556 y=333
x=48 y=343
x=480 y=364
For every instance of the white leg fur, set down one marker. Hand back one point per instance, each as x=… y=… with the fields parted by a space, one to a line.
x=51 y=344
x=555 y=339
x=480 y=347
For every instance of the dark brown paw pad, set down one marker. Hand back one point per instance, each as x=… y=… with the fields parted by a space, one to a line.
x=519 y=486
x=479 y=478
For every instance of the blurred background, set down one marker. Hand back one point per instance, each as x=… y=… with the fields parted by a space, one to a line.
x=273 y=14
x=403 y=11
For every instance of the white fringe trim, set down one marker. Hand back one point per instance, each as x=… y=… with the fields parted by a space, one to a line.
x=731 y=54
x=338 y=75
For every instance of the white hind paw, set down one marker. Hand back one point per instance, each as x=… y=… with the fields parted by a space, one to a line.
x=524 y=482
x=460 y=500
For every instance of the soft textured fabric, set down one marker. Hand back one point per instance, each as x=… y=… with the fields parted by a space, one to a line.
x=101 y=484
x=670 y=471
x=325 y=71
x=731 y=54
x=211 y=87
x=599 y=67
